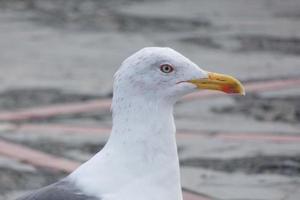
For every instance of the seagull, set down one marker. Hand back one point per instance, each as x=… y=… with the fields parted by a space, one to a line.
x=140 y=159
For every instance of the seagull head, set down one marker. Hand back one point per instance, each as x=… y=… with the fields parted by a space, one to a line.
x=163 y=73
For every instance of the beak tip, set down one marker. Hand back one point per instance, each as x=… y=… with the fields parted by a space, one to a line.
x=242 y=92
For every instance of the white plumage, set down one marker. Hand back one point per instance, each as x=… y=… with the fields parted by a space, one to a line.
x=140 y=160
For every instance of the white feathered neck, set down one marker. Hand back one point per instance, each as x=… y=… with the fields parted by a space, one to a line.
x=139 y=161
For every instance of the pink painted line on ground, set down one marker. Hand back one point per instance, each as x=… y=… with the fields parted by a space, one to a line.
x=247 y=136
x=255 y=137
x=192 y=196
x=272 y=85
x=60 y=128
x=104 y=104
x=35 y=157
x=54 y=110
x=45 y=160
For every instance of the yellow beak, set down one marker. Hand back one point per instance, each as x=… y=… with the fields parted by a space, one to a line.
x=221 y=82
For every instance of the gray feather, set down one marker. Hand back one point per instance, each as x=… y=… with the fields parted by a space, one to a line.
x=62 y=190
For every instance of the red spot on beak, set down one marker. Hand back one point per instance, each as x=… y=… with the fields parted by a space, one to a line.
x=227 y=89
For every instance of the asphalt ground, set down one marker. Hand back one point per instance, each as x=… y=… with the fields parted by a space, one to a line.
x=56 y=65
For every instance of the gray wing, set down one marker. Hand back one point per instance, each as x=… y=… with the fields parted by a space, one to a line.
x=62 y=190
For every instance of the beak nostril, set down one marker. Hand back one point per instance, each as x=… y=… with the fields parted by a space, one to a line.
x=180 y=82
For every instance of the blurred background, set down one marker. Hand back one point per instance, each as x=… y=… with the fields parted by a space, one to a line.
x=58 y=57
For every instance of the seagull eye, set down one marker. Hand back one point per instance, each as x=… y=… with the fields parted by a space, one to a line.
x=166 y=68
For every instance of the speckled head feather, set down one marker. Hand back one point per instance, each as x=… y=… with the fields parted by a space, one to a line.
x=140 y=74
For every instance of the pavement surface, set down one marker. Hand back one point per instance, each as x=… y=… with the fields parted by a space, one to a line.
x=57 y=59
